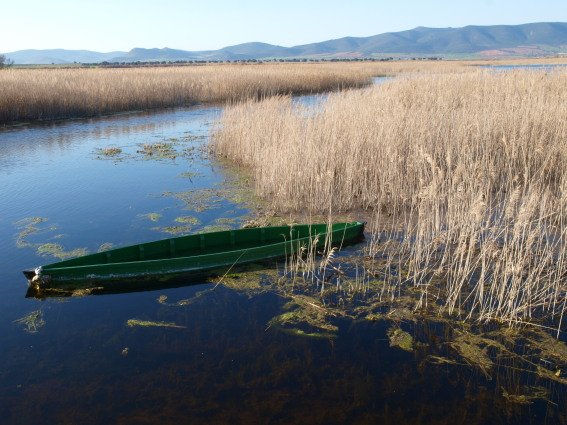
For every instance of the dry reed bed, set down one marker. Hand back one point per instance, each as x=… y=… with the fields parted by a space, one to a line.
x=466 y=174
x=42 y=94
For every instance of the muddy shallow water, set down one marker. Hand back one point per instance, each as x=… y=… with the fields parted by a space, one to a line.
x=214 y=358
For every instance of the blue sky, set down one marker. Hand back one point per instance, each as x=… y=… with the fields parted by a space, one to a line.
x=106 y=25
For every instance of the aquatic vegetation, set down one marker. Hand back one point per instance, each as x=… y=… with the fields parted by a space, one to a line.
x=251 y=279
x=153 y=216
x=190 y=175
x=105 y=247
x=267 y=219
x=32 y=322
x=163 y=299
x=83 y=292
x=110 y=151
x=225 y=221
x=149 y=324
x=197 y=200
x=194 y=137
x=548 y=346
x=399 y=338
x=28 y=226
x=57 y=251
x=305 y=316
x=174 y=230
x=187 y=219
x=456 y=206
x=528 y=396
x=215 y=228
x=159 y=150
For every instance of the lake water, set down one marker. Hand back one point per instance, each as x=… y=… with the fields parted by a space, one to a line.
x=223 y=363
x=533 y=67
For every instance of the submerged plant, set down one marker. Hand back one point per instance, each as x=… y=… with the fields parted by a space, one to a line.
x=401 y=339
x=27 y=227
x=105 y=247
x=110 y=151
x=305 y=317
x=152 y=216
x=163 y=299
x=159 y=150
x=57 y=251
x=32 y=322
x=173 y=230
x=188 y=220
x=148 y=324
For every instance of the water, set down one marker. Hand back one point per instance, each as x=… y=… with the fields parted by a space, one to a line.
x=533 y=67
x=223 y=363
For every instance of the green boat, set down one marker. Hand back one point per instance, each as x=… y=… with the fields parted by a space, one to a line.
x=192 y=254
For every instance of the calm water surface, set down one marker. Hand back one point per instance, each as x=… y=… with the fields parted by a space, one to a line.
x=533 y=67
x=224 y=364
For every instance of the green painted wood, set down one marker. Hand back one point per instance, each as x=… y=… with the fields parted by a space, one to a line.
x=195 y=253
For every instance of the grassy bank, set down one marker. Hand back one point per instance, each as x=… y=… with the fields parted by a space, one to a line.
x=44 y=94
x=465 y=175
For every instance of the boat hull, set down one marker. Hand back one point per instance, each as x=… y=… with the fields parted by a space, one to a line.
x=215 y=251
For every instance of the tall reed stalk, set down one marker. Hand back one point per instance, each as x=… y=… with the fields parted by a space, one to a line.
x=44 y=94
x=464 y=173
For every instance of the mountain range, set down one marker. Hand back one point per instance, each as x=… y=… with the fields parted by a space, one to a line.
x=535 y=39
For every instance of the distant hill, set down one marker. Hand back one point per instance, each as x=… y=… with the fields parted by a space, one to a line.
x=542 y=38
x=59 y=56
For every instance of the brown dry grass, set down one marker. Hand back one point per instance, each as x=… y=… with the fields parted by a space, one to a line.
x=34 y=94
x=465 y=172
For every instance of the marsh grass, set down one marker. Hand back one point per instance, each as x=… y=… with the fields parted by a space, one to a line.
x=464 y=175
x=46 y=94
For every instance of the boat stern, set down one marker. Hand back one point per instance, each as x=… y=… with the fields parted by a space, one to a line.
x=33 y=276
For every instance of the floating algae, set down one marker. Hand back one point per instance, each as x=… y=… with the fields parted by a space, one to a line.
x=548 y=346
x=32 y=322
x=85 y=291
x=149 y=324
x=474 y=349
x=399 y=338
x=251 y=279
x=528 y=396
x=159 y=150
x=225 y=221
x=153 y=216
x=105 y=247
x=109 y=151
x=440 y=360
x=305 y=317
x=193 y=137
x=190 y=175
x=162 y=299
x=57 y=251
x=551 y=375
x=197 y=200
x=28 y=226
x=187 y=219
x=200 y=200
x=173 y=230
x=215 y=228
